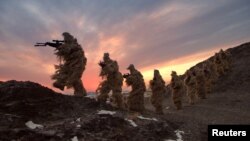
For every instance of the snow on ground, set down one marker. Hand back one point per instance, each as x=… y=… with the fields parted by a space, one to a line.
x=131 y=122
x=91 y=95
x=178 y=134
x=32 y=125
x=74 y=138
x=105 y=112
x=141 y=117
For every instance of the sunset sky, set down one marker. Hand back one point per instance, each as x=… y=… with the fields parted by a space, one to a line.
x=151 y=34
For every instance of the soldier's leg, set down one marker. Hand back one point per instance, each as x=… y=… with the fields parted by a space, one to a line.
x=191 y=95
x=79 y=90
x=104 y=90
x=177 y=100
x=117 y=96
x=134 y=102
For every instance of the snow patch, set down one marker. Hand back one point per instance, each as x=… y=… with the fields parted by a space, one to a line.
x=141 y=117
x=74 y=138
x=78 y=126
x=78 y=120
x=32 y=125
x=91 y=96
x=105 y=112
x=178 y=134
x=131 y=122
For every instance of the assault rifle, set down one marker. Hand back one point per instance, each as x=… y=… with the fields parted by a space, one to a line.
x=126 y=75
x=54 y=43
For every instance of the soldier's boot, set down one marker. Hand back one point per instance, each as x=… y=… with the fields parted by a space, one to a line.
x=159 y=110
x=102 y=98
x=118 y=99
x=202 y=96
x=58 y=85
x=79 y=90
x=178 y=105
x=191 y=96
x=191 y=99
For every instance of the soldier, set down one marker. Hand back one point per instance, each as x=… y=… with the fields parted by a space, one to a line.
x=200 y=84
x=190 y=83
x=112 y=81
x=158 y=88
x=213 y=70
x=225 y=57
x=219 y=64
x=177 y=89
x=135 y=100
x=208 y=77
x=69 y=73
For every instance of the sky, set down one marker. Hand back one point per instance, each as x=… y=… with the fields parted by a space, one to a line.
x=164 y=34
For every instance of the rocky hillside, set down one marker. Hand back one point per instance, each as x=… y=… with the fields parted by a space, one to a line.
x=23 y=105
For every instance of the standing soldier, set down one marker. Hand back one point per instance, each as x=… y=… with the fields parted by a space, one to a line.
x=208 y=77
x=200 y=84
x=69 y=73
x=135 y=100
x=112 y=81
x=213 y=70
x=158 y=88
x=177 y=89
x=219 y=64
x=190 y=82
x=225 y=57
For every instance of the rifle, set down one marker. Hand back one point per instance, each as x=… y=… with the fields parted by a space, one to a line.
x=101 y=64
x=54 y=43
x=126 y=75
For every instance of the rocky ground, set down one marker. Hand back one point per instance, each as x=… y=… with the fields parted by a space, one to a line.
x=27 y=105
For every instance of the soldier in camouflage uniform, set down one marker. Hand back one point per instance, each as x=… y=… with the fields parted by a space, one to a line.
x=200 y=83
x=112 y=81
x=219 y=64
x=135 y=100
x=190 y=83
x=213 y=70
x=158 y=88
x=69 y=73
x=208 y=77
x=176 y=85
x=226 y=59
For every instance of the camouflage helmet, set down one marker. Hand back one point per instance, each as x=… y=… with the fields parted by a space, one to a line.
x=156 y=71
x=131 y=66
x=67 y=36
x=173 y=73
x=106 y=56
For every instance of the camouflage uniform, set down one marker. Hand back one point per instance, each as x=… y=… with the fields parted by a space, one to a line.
x=219 y=64
x=226 y=59
x=190 y=83
x=208 y=77
x=177 y=90
x=158 y=88
x=213 y=70
x=69 y=73
x=135 y=100
x=200 y=84
x=113 y=81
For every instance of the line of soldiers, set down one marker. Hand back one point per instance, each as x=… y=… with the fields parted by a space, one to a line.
x=196 y=82
x=199 y=81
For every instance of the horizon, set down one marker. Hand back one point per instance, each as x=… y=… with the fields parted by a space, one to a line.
x=165 y=35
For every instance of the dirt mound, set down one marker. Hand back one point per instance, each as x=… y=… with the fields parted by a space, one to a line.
x=64 y=117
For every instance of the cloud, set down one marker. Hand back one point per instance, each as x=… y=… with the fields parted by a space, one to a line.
x=147 y=33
